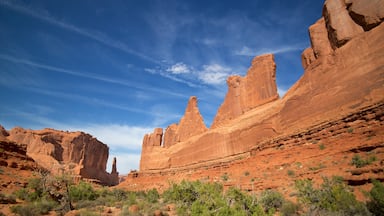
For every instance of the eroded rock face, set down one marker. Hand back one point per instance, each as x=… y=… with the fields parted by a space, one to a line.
x=245 y=93
x=74 y=152
x=191 y=124
x=343 y=74
x=319 y=39
x=341 y=27
x=366 y=13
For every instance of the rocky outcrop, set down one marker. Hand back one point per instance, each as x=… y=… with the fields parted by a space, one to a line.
x=14 y=161
x=75 y=153
x=245 y=93
x=191 y=124
x=343 y=74
x=367 y=14
x=341 y=27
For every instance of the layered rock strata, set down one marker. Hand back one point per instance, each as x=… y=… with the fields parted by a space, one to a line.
x=245 y=93
x=75 y=153
x=343 y=73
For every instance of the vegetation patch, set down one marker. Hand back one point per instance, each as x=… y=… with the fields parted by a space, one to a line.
x=358 y=162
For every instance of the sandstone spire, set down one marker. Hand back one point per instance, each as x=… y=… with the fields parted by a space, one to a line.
x=244 y=93
x=190 y=124
x=114 y=169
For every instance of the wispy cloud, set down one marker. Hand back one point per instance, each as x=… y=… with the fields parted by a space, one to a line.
x=179 y=68
x=214 y=74
x=246 y=51
x=166 y=74
x=91 y=34
x=127 y=83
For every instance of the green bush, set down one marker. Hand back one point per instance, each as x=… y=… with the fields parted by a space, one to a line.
x=291 y=173
x=41 y=207
x=82 y=191
x=289 y=208
x=376 y=202
x=358 y=162
x=152 y=196
x=225 y=177
x=333 y=196
x=7 y=199
x=271 y=200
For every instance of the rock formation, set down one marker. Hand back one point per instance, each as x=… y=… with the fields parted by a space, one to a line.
x=245 y=93
x=368 y=14
x=76 y=153
x=343 y=75
x=190 y=125
x=341 y=27
x=14 y=161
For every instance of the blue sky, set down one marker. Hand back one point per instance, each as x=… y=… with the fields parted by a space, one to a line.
x=118 y=69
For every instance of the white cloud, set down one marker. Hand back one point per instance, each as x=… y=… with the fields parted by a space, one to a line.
x=118 y=136
x=214 y=74
x=125 y=162
x=179 y=68
x=246 y=51
x=122 y=82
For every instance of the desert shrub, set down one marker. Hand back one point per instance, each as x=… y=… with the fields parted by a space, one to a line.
x=152 y=196
x=321 y=146
x=289 y=208
x=225 y=177
x=376 y=202
x=197 y=198
x=23 y=210
x=41 y=207
x=87 y=212
x=202 y=196
x=271 y=200
x=333 y=197
x=119 y=194
x=7 y=199
x=82 y=191
x=291 y=173
x=358 y=162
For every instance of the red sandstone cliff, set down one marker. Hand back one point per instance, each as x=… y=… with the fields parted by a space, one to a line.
x=76 y=153
x=245 y=93
x=344 y=73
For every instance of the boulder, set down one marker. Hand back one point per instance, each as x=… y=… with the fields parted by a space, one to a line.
x=341 y=27
x=367 y=13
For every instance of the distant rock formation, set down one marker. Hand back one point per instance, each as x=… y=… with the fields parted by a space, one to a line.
x=245 y=93
x=191 y=124
x=76 y=153
x=343 y=74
